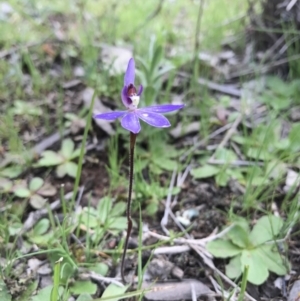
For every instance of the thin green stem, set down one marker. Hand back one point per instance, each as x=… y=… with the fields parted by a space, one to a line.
x=128 y=212
x=244 y=283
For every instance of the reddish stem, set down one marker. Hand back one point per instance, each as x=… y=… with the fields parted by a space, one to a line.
x=128 y=212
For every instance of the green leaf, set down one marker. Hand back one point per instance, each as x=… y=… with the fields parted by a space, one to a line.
x=22 y=192
x=225 y=155
x=99 y=268
x=259 y=154
x=80 y=287
x=222 y=178
x=118 y=223
x=258 y=271
x=89 y=217
x=104 y=208
x=12 y=171
x=239 y=236
x=43 y=294
x=276 y=169
x=41 y=227
x=84 y=297
x=294 y=137
x=114 y=290
x=71 y=169
x=205 y=171
x=75 y=154
x=233 y=268
x=35 y=184
x=165 y=163
x=50 y=158
x=273 y=260
x=118 y=209
x=242 y=222
x=266 y=229
x=4 y=293
x=14 y=228
x=67 y=148
x=221 y=248
x=61 y=170
x=42 y=240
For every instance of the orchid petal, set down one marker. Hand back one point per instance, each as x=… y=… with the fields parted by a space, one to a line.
x=154 y=119
x=124 y=97
x=130 y=122
x=111 y=115
x=130 y=73
x=141 y=88
x=163 y=108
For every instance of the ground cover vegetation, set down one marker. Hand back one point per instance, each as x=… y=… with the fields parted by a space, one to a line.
x=214 y=198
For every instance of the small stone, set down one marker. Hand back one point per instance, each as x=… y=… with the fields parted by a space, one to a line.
x=294 y=294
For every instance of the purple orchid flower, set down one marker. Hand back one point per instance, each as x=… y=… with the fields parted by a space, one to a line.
x=130 y=98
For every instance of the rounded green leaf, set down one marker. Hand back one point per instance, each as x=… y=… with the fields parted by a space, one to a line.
x=50 y=158
x=84 y=297
x=222 y=178
x=67 y=148
x=41 y=227
x=205 y=171
x=100 y=268
x=104 y=208
x=266 y=229
x=81 y=287
x=233 y=268
x=114 y=290
x=117 y=223
x=71 y=169
x=22 y=192
x=239 y=236
x=12 y=171
x=61 y=170
x=258 y=271
x=274 y=261
x=35 y=184
x=118 y=209
x=221 y=248
x=165 y=163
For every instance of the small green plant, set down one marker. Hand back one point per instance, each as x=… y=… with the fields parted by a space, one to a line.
x=222 y=173
x=62 y=159
x=36 y=191
x=157 y=158
x=256 y=249
x=151 y=193
x=280 y=95
x=11 y=172
x=26 y=108
x=103 y=219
